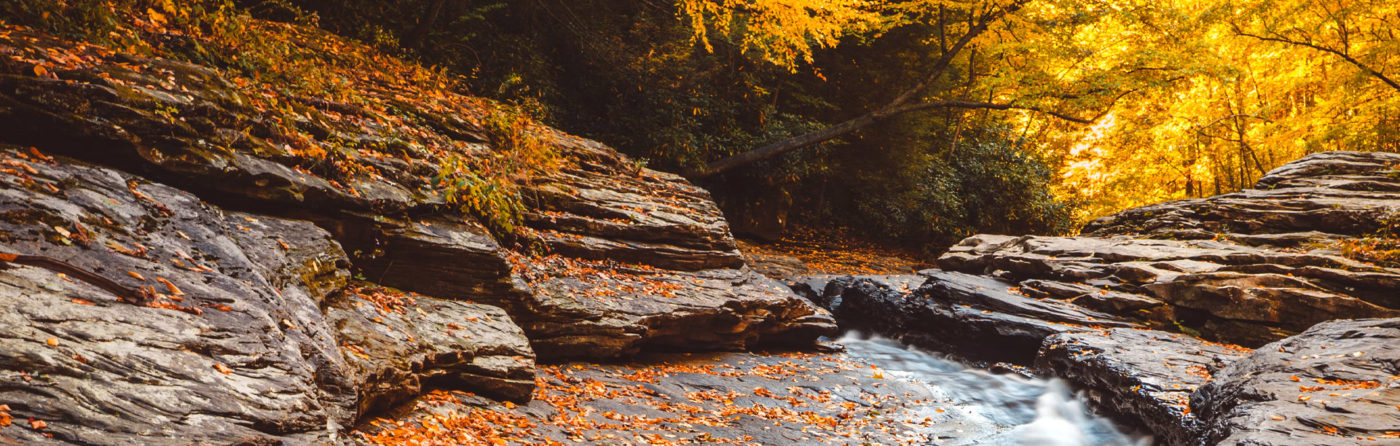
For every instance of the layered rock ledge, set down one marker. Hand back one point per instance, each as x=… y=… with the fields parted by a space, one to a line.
x=976 y=317
x=1247 y=268
x=177 y=248
x=1305 y=251
x=365 y=172
x=135 y=313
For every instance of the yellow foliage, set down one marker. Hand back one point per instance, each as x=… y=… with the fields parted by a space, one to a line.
x=782 y=31
x=1190 y=97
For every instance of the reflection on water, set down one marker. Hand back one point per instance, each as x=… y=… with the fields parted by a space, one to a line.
x=989 y=409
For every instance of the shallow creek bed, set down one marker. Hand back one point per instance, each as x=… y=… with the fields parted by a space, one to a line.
x=874 y=392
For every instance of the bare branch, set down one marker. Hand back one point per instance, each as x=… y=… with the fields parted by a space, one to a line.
x=1377 y=74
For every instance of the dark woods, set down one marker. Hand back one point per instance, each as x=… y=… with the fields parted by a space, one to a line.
x=629 y=73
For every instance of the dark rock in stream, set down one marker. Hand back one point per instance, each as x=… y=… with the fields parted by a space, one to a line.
x=975 y=317
x=244 y=333
x=1143 y=377
x=1336 y=383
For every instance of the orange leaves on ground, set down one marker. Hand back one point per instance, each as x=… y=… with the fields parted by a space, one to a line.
x=174 y=291
x=588 y=404
x=385 y=300
x=167 y=305
x=1337 y=384
x=357 y=351
x=5 y=417
x=600 y=279
x=475 y=426
x=836 y=253
x=222 y=368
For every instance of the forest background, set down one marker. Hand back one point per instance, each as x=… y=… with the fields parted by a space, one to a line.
x=911 y=122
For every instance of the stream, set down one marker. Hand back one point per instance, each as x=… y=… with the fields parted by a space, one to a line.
x=991 y=409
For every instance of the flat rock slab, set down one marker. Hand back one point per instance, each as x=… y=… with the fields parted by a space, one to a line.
x=1336 y=383
x=876 y=392
x=228 y=343
x=1249 y=267
x=1230 y=292
x=739 y=398
x=1144 y=377
x=607 y=310
x=1339 y=192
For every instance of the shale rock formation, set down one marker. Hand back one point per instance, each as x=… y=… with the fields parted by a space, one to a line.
x=1337 y=383
x=187 y=126
x=233 y=327
x=976 y=317
x=1313 y=243
x=175 y=266
x=1247 y=268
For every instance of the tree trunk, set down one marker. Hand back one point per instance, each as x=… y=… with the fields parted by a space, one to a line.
x=425 y=25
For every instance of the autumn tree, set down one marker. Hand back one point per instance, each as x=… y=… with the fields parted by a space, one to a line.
x=960 y=25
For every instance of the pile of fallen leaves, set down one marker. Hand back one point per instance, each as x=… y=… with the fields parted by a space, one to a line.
x=597 y=279
x=622 y=404
x=834 y=252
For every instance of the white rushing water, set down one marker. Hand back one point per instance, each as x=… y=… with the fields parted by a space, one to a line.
x=990 y=409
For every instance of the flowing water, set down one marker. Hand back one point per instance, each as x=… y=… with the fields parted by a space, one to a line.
x=992 y=409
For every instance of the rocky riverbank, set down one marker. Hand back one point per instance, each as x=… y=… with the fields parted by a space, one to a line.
x=1128 y=310
x=178 y=267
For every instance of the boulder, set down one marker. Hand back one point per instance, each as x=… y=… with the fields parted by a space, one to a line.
x=1335 y=383
x=603 y=206
x=975 y=317
x=137 y=314
x=1142 y=377
x=399 y=344
x=607 y=310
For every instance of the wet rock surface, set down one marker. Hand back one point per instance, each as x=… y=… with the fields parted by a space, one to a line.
x=188 y=126
x=222 y=337
x=977 y=317
x=1336 y=383
x=1143 y=377
x=1251 y=267
x=874 y=392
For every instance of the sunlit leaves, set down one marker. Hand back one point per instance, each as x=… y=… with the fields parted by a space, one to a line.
x=783 y=32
